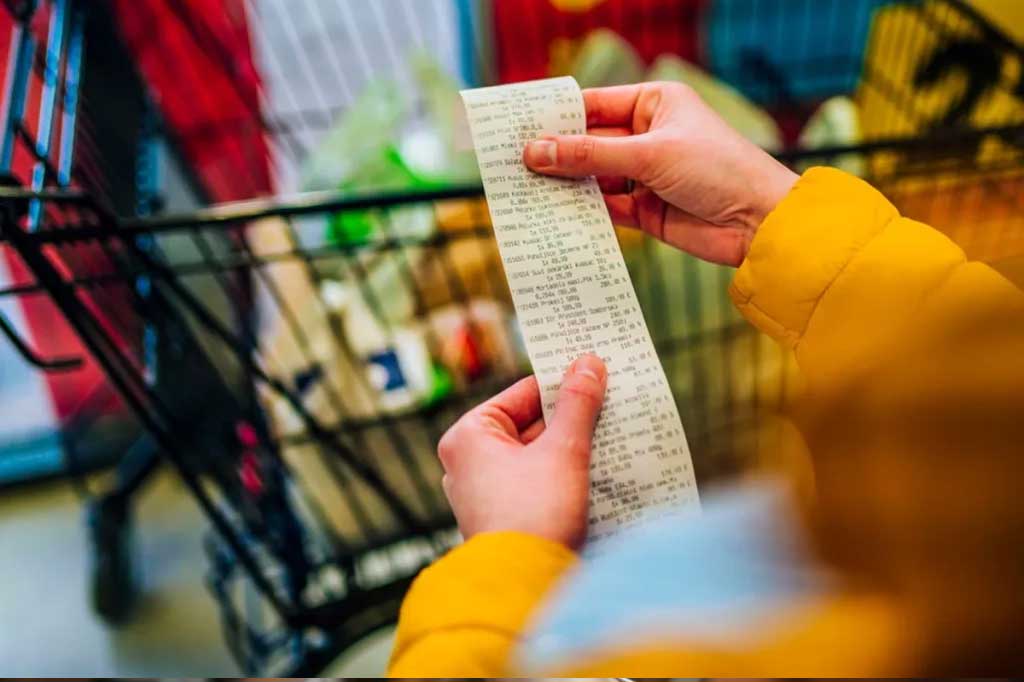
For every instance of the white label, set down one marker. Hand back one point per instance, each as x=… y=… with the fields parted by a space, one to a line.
x=573 y=295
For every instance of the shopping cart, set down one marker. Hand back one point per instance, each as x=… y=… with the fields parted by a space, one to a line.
x=295 y=359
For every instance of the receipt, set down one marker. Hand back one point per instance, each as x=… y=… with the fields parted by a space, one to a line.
x=573 y=295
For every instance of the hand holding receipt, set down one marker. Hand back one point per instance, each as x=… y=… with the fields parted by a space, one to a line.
x=573 y=295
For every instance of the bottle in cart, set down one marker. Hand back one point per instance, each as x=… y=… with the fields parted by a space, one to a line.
x=396 y=361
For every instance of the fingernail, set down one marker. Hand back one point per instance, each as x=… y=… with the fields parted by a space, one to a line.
x=541 y=153
x=591 y=366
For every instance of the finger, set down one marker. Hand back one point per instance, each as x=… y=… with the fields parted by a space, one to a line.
x=612 y=106
x=577 y=156
x=513 y=409
x=610 y=131
x=641 y=208
x=614 y=185
x=520 y=402
x=492 y=423
x=611 y=184
x=580 y=397
x=532 y=432
x=722 y=245
x=622 y=209
x=644 y=210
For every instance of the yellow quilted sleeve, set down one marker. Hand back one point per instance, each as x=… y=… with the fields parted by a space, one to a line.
x=464 y=614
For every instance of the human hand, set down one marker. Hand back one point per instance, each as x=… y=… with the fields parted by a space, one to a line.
x=699 y=185
x=504 y=470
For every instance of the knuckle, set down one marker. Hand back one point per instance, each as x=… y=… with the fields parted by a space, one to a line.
x=576 y=446
x=572 y=444
x=448 y=446
x=652 y=158
x=583 y=389
x=595 y=110
x=681 y=90
x=642 y=158
x=584 y=151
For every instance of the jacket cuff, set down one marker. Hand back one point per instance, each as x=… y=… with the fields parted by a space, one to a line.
x=802 y=246
x=494 y=581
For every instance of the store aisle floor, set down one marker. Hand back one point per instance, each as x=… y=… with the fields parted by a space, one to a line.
x=49 y=628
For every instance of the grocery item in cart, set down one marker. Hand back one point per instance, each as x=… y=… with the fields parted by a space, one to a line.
x=377 y=370
x=536 y=38
x=836 y=123
x=392 y=138
x=320 y=368
x=605 y=58
x=478 y=339
x=359 y=155
x=395 y=361
x=395 y=139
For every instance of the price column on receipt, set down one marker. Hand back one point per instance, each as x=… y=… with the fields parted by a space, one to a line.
x=573 y=295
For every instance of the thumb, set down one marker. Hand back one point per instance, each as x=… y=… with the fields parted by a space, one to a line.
x=577 y=156
x=578 y=405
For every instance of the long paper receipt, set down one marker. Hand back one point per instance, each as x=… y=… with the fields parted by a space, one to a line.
x=573 y=295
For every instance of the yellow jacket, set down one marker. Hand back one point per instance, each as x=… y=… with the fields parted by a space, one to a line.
x=913 y=356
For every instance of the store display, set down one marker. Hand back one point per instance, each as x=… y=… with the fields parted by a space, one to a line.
x=558 y=29
x=750 y=120
x=605 y=58
x=781 y=53
x=836 y=123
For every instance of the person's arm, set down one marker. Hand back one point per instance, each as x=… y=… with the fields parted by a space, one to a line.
x=827 y=266
x=912 y=351
x=911 y=357
x=464 y=614
x=519 y=490
x=910 y=354
x=836 y=273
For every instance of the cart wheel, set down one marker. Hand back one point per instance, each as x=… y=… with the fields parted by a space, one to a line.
x=112 y=583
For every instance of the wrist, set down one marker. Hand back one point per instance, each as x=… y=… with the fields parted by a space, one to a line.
x=771 y=189
x=570 y=536
x=775 y=185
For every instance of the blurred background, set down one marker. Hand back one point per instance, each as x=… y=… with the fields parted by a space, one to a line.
x=247 y=278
